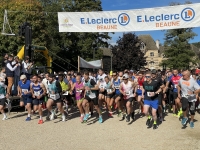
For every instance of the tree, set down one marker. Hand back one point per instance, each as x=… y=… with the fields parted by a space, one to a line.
x=42 y=15
x=178 y=50
x=127 y=53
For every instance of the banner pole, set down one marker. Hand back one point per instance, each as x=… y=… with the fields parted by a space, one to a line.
x=78 y=64
x=102 y=63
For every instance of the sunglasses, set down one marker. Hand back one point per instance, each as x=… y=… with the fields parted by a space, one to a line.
x=147 y=76
x=114 y=75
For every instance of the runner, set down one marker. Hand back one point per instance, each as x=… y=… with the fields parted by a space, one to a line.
x=65 y=90
x=3 y=97
x=38 y=92
x=109 y=95
x=26 y=94
x=188 y=88
x=126 y=88
x=79 y=88
x=174 y=79
x=101 y=75
x=152 y=89
x=157 y=78
x=55 y=91
x=102 y=92
x=117 y=94
x=90 y=96
x=139 y=91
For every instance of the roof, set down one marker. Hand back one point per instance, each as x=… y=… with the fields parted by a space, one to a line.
x=106 y=51
x=149 y=42
x=195 y=49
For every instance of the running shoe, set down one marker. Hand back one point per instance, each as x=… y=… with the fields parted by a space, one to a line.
x=184 y=121
x=81 y=118
x=63 y=118
x=86 y=117
x=123 y=117
x=109 y=114
x=119 y=114
x=180 y=114
x=161 y=119
x=52 y=116
x=40 y=121
x=5 y=118
x=155 y=126
x=133 y=115
x=148 y=122
x=192 y=125
x=128 y=118
x=100 y=119
x=28 y=119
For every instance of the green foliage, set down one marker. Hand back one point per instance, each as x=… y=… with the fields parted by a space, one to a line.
x=127 y=53
x=178 y=50
x=42 y=15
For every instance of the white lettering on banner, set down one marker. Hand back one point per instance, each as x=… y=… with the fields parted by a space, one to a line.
x=160 y=18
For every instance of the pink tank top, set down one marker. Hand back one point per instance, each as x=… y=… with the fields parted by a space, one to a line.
x=128 y=89
x=79 y=94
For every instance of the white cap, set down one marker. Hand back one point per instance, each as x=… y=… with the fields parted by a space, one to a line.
x=125 y=76
x=22 y=77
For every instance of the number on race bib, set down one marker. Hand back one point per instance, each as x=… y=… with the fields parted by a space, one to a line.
x=117 y=87
x=109 y=90
x=54 y=96
x=128 y=93
x=24 y=90
x=37 y=93
x=92 y=95
x=66 y=93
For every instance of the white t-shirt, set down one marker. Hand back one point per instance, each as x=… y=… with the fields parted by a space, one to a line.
x=101 y=77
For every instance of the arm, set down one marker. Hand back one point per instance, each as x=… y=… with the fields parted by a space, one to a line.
x=31 y=89
x=44 y=90
x=19 y=91
x=120 y=89
x=59 y=87
x=158 y=91
x=10 y=67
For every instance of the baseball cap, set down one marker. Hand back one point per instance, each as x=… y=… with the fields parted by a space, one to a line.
x=125 y=76
x=22 y=77
x=154 y=71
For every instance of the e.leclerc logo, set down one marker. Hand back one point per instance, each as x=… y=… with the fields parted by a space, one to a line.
x=105 y=23
x=168 y=20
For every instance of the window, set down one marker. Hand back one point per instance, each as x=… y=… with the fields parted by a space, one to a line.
x=152 y=63
x=142 y=46
x=152 y=54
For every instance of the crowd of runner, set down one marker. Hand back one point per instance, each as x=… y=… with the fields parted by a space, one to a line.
x=156 y=92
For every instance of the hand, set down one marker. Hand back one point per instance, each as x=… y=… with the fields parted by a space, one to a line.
x=134 y=95
x=165 y=95
x=7 y=96
x=52 y=92
x=19 y=95
x=142 y=96
x=87 y=88
x=33 y=96
x=124 y=93
x=17 y=65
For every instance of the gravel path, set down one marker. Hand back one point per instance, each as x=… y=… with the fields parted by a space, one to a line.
x=16 y=134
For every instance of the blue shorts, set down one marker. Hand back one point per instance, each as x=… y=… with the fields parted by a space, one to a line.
x=139 y=92
x=27 y=99
x=153 y=104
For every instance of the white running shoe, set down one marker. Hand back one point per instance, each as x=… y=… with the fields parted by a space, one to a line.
x=52 y=116
x=63 y=118
x=5 y=118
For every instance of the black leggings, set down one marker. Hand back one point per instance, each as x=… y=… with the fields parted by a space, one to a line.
x=185 y=105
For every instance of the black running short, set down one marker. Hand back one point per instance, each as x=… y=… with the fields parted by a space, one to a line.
x=2 y=101
x=94 y=100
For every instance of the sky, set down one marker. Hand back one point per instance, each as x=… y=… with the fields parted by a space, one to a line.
x=110 y=5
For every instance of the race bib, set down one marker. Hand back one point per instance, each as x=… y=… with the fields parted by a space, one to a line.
x=24 y=90
x=109 y=90
x=192 y=98
x=148 y=94
x=2 y=96
x=175 y=86
x=92 y=95
x=128 y=93
x=117 y=87
x=66 y=93
x=54 y=96
x=138 y=87
x=37 y=93
x=79 y=91
x=101 y=87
